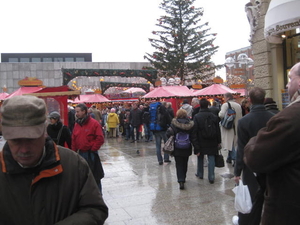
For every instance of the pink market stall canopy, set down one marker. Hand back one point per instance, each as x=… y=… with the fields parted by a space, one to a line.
x=241 y=91
x=170 y=92
x=93 y=98
x=24 y=90
x=3 y=95
x=214 y=89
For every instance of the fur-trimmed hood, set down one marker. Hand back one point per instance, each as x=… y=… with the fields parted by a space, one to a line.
x=183 y=124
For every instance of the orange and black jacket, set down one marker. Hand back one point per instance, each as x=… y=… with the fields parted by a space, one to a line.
x=61 y=190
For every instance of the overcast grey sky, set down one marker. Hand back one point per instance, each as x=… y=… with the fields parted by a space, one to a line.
x=113 y=30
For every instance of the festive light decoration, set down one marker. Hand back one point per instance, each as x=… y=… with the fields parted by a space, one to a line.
x=69 y=74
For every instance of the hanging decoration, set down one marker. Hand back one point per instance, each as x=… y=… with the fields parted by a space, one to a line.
x=69 y=74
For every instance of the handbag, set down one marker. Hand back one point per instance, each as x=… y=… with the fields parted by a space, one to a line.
x=242 y=200
x=219 y=160
x=169 y=145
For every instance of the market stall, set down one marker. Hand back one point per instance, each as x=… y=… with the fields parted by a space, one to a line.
x=56 y=99
x=173 y=94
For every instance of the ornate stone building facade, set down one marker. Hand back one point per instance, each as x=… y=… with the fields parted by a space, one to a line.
x=274 y=38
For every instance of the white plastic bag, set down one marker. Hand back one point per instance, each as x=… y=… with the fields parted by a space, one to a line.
x=242 y=201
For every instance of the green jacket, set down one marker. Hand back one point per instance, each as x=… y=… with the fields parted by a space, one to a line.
x=60 y=191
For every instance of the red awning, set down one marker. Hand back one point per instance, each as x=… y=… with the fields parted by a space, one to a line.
x=214 y=89
x=24 y=90
x=169 y=91
x=94 y=98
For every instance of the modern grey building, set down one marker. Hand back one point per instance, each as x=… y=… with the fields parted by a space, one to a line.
x=51 y=75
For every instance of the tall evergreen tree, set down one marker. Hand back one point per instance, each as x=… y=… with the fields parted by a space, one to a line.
x=183 y=46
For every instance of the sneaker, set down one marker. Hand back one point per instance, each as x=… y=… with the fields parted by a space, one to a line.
x=235 y=220
x=167 y=161
x=160 y=163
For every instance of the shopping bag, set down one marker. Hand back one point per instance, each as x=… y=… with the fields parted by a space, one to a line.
x=169 y=145
x=242 y=201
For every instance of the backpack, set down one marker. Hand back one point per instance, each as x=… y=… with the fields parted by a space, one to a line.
x=182 y=140
x=154 y=114
x=160 y=119
x=228 y=120
x=209 y=130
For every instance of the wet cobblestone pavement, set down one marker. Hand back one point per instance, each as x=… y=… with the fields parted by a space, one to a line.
x=139 y=191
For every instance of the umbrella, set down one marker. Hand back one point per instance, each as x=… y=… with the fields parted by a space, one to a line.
x=134 y=90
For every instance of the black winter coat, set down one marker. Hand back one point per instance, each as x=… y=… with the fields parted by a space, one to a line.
x=202 y=145
x=181 y=125
x=248 y=126
x=65 y=137
x=136 y=117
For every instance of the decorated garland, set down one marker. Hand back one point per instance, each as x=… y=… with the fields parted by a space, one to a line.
x=69 y=74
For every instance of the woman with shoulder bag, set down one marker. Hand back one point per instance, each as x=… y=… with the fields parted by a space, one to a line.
x=181 y=127
x=58 y=132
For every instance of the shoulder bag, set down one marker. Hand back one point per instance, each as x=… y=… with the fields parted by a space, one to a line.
x=219 y=160
x=169 y=145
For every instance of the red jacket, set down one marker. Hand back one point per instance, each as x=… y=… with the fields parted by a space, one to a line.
x=87 y=136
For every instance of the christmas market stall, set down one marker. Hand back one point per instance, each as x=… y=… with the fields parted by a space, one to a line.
x=24 y=90
x=173 y=94
x=56 y=99
x=90 y=99
x=3 y=96
x=214 y=92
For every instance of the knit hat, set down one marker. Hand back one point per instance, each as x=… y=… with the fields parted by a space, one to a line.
x=23 y=117
x=54 y=115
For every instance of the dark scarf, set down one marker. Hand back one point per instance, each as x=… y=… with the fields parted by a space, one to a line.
x=82 y=121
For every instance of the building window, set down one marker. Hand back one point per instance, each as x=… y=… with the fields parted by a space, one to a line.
x=36 y=60
x=24 y=59
x=79 y=59
x=58 y=60
x=13 y=60
x=67 y=59
x=47 y=59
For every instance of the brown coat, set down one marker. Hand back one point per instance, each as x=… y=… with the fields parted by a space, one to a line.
x=276 y=151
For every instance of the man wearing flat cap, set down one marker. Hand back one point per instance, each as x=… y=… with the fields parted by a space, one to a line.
x=40 y=182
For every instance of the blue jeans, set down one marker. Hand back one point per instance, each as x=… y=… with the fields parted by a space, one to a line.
x=211 y=167
x=128 y=132
x=159 y=136
x=231 y=154
x=148 y=132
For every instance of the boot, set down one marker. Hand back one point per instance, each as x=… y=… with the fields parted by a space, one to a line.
x=181 y=185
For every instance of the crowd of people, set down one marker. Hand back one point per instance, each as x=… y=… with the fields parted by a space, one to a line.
x=51 y=174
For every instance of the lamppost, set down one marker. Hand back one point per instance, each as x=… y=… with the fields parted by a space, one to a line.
x=245 y=63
